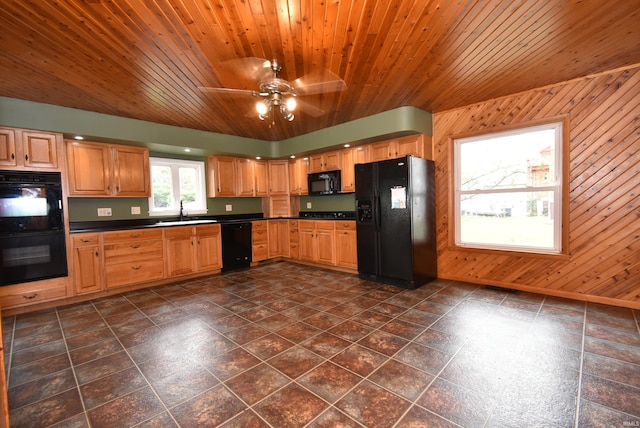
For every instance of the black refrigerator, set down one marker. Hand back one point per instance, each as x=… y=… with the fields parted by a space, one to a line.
x=395 y=221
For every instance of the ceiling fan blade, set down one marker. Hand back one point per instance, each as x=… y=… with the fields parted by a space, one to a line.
x=319 y=82
x=227 y=91
x=309 y=108
x=251 y=68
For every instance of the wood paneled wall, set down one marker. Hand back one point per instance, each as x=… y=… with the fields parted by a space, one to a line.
x=604 y=191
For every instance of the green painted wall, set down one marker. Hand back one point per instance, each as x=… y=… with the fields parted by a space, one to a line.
x=346 y=202
x=170 y=141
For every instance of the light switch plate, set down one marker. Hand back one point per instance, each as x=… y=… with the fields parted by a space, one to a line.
x=228 y=207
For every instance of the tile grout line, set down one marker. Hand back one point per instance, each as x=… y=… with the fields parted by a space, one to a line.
x=580 y=370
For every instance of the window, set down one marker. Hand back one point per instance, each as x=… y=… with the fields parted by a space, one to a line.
x=508 y=190
x=175 y=180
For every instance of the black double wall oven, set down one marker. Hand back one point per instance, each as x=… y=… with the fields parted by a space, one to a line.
x=32 y=234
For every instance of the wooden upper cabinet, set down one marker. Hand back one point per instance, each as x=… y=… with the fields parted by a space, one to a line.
x=24 y=149
x=39 y=149
x=222 y=176
x=298 y=171
x=381 y=151
x=278 y=178
x=89 y=169
x=8 y=155
x=415 y=145
x=246 y=179
x=350 y=157
x=327 y=161
x=97 y=169
x=131 y=171
x=261 y=172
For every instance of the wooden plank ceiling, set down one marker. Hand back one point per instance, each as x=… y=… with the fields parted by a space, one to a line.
x=146 y=59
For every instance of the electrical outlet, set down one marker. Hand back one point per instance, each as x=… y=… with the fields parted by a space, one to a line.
x=104 y=212
x=308 y=205
x=135 y=210
x=228 y=207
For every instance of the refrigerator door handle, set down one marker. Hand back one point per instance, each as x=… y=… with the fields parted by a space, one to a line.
x=376 y=213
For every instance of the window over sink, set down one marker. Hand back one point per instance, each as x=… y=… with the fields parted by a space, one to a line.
x=175 y=180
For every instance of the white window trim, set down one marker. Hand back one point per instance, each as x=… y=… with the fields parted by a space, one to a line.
x=557 y=190
x=200 y=185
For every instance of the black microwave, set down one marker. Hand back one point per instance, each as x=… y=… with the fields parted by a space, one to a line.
x=324 y=183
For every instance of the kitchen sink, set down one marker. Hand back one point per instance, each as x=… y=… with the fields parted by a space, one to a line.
x=184 y=222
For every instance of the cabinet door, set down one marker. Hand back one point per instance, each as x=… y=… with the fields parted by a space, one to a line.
x=40 y=149
x=331 y=161
x=278 y=178
x=348 y=175
x=381 y=151
x=209 y=250
x=87 y=273
x=316 y=163
x=222 y=170
x=131 y=172
x=8 y=156
x=307 y=240
x=278 y=238
x=261 y=172
x=346 y=252
x=325 y=242
x=89 y=169
x=412 y=145
x=178 y=251
x=245 y=177
x=294 y=239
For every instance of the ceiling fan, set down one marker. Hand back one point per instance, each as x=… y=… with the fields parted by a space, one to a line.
x=276 y=94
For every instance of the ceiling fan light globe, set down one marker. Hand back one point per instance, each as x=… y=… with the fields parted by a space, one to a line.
x=261 y=108
x=291 y=103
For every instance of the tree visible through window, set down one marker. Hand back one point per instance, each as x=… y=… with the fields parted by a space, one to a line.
x=508 y=188
x=174 y=180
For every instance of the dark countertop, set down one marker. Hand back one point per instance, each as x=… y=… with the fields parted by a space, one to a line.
x=110 y=225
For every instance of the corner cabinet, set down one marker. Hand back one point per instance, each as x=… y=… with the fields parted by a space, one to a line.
x=25 y=149
x=97 y=169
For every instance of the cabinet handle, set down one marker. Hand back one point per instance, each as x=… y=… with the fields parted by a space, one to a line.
x=33 y=296
x=97 y=254
x=85 y=240
x=13 y=156
x=136 y=267
x=135 y=235
x=26 y=157
x=135 y=246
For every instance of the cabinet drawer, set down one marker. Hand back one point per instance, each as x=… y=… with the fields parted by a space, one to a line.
x=259 y=236
x=127 y=235
x=85 y=239
x=294 y=235
x=137 y=271
x=307 y=224
x=325 y=225
x=209 y=229
x=29 y=296
x=178 y=232
x=293 y=224
x=345 y=225
x=259 y=224
x=260 y=252
x=132 y=251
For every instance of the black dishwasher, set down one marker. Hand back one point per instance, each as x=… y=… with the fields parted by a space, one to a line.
x=236 y=245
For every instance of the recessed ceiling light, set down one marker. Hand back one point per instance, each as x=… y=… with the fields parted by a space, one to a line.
x=79 y=137
x=292 y=156
x=347 y=145
x=187 y=149
x=258 y=157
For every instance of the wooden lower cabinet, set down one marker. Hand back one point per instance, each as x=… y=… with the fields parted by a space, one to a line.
x=278 y=238
x=294 y=240
x=317 y=241
x=259 y=241
x=87 y=262
x=192 y=249
x=133 y=256
x=346 y=244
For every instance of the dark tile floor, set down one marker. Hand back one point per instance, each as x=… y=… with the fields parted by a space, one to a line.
x=284 y=345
